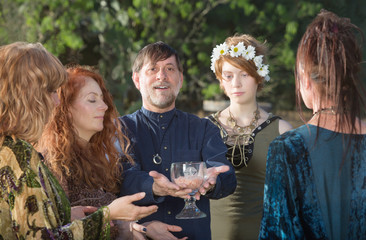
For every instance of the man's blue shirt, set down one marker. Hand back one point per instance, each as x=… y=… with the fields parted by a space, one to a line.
x=177 y=136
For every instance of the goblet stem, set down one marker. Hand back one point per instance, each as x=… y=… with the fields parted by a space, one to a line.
x=190 y=202
x=190 y=210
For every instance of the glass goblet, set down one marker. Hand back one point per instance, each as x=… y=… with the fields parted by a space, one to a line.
x=189 y=175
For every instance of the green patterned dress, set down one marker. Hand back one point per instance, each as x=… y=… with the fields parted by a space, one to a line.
x=32 y=202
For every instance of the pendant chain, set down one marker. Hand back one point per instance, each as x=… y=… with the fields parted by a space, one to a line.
x=156 y=157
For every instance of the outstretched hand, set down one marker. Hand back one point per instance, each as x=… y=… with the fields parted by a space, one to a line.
x=123 y=209
x=157 y=230
x=210 y=181
x=163 y=187
x=138 y=231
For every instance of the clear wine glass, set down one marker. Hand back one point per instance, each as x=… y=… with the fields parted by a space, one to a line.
x=190 y=175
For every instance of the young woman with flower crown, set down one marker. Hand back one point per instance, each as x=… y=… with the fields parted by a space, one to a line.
x=247 y=130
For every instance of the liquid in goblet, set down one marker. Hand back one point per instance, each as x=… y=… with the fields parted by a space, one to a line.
x=189 y=175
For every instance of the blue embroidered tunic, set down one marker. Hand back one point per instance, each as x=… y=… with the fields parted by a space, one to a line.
x=309 y=192
x=177 y=136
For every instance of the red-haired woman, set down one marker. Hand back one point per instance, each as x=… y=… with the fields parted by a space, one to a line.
x=79 y=143
x=247 y=130
x=32 y=202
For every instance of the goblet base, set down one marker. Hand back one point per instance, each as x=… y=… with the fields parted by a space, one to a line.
x=190 y=210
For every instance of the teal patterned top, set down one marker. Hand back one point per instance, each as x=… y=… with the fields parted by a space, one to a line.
x=315 y=191
x=32 y=202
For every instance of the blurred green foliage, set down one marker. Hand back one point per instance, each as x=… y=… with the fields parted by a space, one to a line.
x=109 y=33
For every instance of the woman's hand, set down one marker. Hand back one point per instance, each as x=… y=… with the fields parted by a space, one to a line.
x=138 y=231
x=157 y=230
x=130 y=230
x=123 y=209
x=79 y=212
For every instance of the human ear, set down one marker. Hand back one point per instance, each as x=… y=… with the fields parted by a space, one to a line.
x=136 y=80
x=305 y=83
x=181 y=80
x=308 y=83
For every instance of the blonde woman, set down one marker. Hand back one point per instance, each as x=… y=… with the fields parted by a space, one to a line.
x=32 y=202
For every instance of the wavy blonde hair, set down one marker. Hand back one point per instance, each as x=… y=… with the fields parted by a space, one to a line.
x=28 y=76
x=96 y=163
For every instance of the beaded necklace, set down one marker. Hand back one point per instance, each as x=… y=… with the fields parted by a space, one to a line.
x=246 y=129
x=241 y=137
x=329 y=110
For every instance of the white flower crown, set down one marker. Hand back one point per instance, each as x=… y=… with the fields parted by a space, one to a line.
x=241 y=51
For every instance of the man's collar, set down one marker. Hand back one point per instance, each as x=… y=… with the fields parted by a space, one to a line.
x=158 y=116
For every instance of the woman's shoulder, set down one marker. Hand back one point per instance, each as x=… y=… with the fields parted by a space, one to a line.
x=289 y=148
x=19 y=147
x=15 y=143
x=20 y=159
x=283 y=125
x=293 y=138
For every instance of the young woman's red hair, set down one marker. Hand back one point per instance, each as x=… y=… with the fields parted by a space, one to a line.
x=96 y=163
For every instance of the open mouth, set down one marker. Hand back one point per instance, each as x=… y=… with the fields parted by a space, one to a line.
x=161 y=87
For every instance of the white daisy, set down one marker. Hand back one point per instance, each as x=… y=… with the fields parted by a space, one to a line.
x=258 y=61
x=238 y=50
x=249 y=53
x=263 y=70
x=219 y=50
x=213 y=66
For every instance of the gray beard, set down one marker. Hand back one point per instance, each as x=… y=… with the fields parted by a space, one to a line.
x=169 y=100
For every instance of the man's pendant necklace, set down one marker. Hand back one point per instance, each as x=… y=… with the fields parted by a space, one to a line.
x=156 y=157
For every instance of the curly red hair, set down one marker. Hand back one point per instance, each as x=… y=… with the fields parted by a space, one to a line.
x=96 y=163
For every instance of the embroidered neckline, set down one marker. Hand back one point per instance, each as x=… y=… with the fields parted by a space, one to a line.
x=245 y=151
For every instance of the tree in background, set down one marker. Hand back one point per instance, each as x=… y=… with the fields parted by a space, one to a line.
x=109 y=33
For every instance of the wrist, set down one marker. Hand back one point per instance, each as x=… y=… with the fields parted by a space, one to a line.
x=106 y=228
x=106 y=213
x=211 y=189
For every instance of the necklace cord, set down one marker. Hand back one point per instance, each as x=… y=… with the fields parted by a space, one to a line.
x=232 y=155
x=330 y=110
x=156 y=157
x=242 y=137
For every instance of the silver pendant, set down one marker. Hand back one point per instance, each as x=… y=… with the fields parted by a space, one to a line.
x=157 y=159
